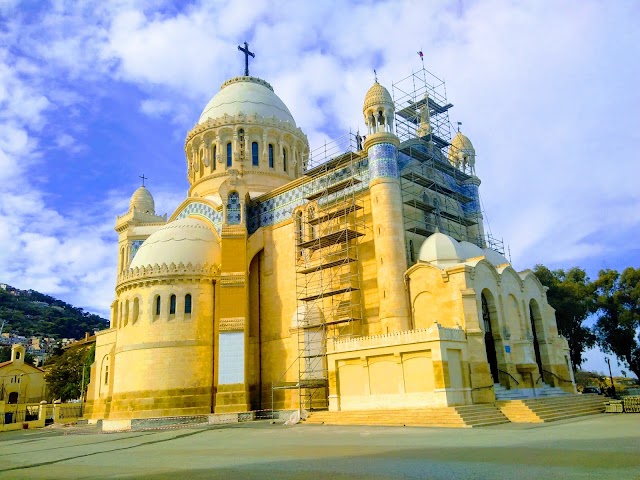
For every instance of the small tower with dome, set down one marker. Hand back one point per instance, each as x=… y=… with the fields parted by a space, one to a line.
x=134 y=226
x=381 y=146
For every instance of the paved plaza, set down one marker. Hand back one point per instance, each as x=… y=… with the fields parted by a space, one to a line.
x=599 y=447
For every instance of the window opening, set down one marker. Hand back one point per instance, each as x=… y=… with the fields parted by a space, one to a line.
x=255 y=160
x=187 y=303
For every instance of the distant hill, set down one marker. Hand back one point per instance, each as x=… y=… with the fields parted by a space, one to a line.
x=31 y=313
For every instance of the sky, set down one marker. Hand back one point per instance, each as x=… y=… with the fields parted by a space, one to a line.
x=94 y=94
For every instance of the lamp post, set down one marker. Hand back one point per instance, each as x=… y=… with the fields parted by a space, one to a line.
x=613 y=387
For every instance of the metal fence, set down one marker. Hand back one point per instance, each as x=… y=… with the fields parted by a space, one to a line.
x=22 y=413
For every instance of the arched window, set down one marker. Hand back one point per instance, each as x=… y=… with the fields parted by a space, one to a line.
x=172 y=305
x=158 y=304
x=126 y=313
x=311 y=215
x=17 y=355
x=254 y=154
x=136 y=310
x=284 y=159
x=106 y=374
x=229 y=159
x=187 y=303
x=215 y=155
x=411 y=254
x=233 y=209
x=270 y=155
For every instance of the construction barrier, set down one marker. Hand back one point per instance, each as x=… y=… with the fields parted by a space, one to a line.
x=614 y=406
x=632 y=404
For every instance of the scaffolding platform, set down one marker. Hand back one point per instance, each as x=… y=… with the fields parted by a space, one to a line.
x=432 y=184
x=336 y=187
x=332 y=238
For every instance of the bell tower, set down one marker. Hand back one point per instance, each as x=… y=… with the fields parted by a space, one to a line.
x=381 y=146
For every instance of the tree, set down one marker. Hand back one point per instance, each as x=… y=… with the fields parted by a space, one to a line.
x=618 y=324
x=64 y=373
x=571 y=294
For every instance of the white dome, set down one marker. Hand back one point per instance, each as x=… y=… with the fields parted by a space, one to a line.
x=183 y=241
x=470 y=250
x=142 y=201
x=247 y=95
x=441 y=248
x=495 y=258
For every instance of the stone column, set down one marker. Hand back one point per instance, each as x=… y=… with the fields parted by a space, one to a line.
x=388 y=230
x=232 y=394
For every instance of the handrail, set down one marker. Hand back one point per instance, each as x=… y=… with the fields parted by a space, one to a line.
x=559 y=378
x=507 y=373
x=481 y=388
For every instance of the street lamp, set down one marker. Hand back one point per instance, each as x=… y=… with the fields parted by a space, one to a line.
x=613 y=387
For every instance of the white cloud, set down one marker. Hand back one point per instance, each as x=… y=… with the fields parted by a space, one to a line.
x=547 y=93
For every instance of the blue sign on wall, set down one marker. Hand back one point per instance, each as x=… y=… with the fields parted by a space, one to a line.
x=507 y=348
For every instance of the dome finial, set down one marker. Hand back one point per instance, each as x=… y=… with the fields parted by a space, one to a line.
x=375 y=75
x=143 y=178
x=246 y=52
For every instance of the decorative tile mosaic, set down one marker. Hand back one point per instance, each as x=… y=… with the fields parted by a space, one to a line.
x=233 y=209
x=204 y=210
x=383 y=161
x=135 y=245
x=281 y=207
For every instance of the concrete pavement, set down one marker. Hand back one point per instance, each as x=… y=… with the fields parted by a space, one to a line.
x=595 y=447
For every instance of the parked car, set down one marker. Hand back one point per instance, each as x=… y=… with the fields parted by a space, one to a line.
x=591 y=389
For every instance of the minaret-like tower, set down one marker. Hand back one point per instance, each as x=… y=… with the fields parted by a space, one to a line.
x=141 y=212
x=381 y=146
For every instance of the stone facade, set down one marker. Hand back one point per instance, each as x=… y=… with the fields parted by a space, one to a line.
x=208 y=315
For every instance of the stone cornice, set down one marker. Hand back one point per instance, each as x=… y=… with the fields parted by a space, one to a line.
x=165 y=274
x=248 y=120
x=435 y=333
x=231 y=324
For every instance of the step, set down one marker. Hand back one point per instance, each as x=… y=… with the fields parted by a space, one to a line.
x=550 y=409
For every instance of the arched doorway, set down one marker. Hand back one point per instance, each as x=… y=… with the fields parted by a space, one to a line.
x=489 y=342
x=13 y=398
x=534 y=316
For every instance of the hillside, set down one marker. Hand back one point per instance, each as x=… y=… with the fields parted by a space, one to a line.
x=31 y=313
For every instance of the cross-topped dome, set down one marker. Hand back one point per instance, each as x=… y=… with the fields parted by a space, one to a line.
x=247 y=95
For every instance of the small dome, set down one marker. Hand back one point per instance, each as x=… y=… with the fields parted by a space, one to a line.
x=306 y=315
x=470 y=250
x=495 y=258
x=441 y=248
x=142 y=201
x=187 y=240
x=460 y=144
x=377 y=95
x=247 y=95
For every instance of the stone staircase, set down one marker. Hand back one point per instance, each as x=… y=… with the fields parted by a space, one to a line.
x=542 y=391
x=549 y=409
x=466 y=416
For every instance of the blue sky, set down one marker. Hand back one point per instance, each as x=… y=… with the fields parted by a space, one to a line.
x=93 y=94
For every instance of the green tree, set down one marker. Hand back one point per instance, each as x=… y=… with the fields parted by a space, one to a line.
x=571 y=294
x=618 y=324
x=64 y=373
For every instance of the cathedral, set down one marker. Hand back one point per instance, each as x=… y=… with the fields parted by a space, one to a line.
x=355 y=276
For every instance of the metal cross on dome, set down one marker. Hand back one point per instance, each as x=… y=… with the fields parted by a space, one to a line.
x=246 y=52
x=143 y=178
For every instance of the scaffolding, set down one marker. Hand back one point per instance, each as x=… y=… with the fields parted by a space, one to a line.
x=437 y=187
x=327 y=228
